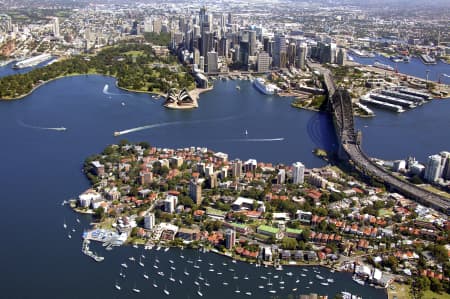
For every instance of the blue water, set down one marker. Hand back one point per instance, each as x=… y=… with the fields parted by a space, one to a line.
x=41 y=167
x=414 y=68
x=8 y=70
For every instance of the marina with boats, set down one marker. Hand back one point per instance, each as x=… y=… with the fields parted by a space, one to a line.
x=230 y=276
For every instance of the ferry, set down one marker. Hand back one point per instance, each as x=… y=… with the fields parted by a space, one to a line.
x=383 y=66
x=260 y=84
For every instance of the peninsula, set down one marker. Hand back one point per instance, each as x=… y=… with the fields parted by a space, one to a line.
x=138 y=67
x=256 y=211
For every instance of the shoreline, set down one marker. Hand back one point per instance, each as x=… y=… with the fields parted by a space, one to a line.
x=86 y=74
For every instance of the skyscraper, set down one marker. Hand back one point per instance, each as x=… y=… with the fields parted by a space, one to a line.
x=202 y=17
x=341 y=55
x=433 y=169
x=263 y=62
x=251 y=42
x=55 y=27
x=212 y=65
x=279 y=52
x=301 y=56
x=298 y=173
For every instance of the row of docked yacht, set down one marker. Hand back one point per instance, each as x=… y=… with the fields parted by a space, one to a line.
x=274 y=281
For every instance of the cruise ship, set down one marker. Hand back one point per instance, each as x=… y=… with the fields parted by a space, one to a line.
x=260 y=84
x=35 y=60
x=383 y=66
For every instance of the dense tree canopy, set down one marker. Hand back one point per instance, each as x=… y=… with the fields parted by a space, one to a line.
x=134 y=65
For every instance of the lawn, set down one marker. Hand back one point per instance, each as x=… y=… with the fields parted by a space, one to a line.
x=432 y=295
x=437 y=191
x=134 y=53
x=384 y=212
x=399 y=291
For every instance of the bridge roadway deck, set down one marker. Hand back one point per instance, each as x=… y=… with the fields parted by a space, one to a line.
x=341 y=106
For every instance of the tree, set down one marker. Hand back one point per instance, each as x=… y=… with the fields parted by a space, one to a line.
x=99 y=213
x=306 y=233
x=436 y=285
x=288 y=243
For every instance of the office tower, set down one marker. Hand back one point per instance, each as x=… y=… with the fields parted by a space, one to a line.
x=202 y=17
x=433 y=169
x=230 y=238
x=301 y=56
x=243 y=53
x=266 y=41
x=223 y=47
x=207 y=44
x=263 y=62
x=279 y=51
x=201 y=65
x=230 y=19
x=212 y=62
x=341 y=56
x=55 y=27
x=252 y=42
x=196 y=56
x=298 y=173
x=188 y=40
x=149 y=221
x=291 y=53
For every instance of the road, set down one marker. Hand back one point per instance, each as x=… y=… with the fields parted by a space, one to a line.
x=342 y=110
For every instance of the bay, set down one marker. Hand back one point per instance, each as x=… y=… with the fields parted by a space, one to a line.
x=42 y=167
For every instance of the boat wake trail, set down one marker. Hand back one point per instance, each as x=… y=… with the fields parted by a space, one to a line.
x=106 y=91
x=41 y=128
x=255 y=139
x=172 y=123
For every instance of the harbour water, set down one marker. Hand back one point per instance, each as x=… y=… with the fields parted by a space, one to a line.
x=414 y=68
x=41 y=168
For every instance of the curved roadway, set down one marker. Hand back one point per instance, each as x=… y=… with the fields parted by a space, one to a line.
x=341 y=106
